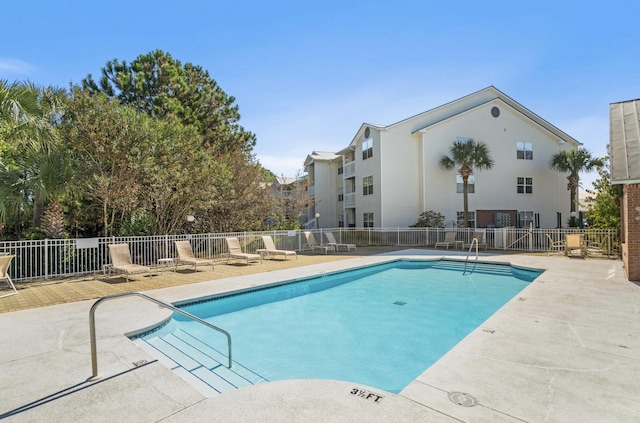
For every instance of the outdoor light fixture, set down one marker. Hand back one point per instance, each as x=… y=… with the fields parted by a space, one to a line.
x=191 y=218
x=317 y=220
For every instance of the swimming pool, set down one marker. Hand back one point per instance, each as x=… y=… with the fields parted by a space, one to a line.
x=380 y=326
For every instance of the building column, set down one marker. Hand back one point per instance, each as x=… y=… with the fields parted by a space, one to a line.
x=631 y=229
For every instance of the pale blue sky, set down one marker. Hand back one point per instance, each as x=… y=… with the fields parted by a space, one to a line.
x=306 y=75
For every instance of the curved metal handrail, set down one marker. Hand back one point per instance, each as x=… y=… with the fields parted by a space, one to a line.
x=92 y=324
x=473 y=241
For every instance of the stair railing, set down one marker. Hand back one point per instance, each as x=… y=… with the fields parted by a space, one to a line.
x=92 y=324
x=474 y=241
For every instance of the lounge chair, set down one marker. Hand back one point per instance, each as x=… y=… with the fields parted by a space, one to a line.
x=5 y=261
x=271 y=250
x=235 y=252
x=313 y=244
x=331 y=241
x=121 y=261
x=555 y=246
x=480 y=237
x=185 y=256
x=573 y=242
x=449 y=239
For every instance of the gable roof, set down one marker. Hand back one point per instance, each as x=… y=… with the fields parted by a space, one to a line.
x=491 y=94
x=320 y=156
x=469 y=102
x=625 y=141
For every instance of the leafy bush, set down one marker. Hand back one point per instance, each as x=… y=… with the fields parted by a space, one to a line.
x=429 y=219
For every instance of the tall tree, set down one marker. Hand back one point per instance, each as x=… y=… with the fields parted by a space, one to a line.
x=573 y=162
x=111 y=144
x=34 y=168
x=242 y=200
x=18 y=110
x=160 y=86
x=604 y=200
x=288 y=202
x=179 y=179
x=467 y=156
x=146 y=174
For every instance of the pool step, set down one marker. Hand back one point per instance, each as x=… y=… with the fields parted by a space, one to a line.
x=473 y=266
x=198 y=363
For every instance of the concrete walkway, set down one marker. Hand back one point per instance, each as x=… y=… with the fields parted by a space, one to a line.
x=566 y=349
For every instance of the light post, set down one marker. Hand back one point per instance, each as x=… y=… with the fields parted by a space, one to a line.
x=317 y=220
x=191 y=218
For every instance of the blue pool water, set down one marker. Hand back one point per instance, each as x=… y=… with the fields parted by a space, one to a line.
x=381 y=326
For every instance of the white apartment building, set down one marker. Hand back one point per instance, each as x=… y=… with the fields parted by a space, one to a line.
x=388 y=175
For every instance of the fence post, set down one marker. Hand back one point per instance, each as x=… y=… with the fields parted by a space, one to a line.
x=46 y=259
x=504 y=238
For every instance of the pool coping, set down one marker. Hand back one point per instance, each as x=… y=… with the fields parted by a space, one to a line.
x=566 y=349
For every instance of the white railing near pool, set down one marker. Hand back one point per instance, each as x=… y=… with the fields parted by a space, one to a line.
x=47 y=258
x=474 y=241
x=92 y=325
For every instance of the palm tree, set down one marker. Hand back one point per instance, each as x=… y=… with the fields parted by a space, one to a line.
x=467 y=156
x=574 y=162
x=34 y=167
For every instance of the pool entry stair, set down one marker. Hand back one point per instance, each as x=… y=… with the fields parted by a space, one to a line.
x=184 y=354
x=474 y=266
x=198 y=363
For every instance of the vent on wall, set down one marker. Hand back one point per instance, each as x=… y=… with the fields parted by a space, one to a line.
x=367 y=132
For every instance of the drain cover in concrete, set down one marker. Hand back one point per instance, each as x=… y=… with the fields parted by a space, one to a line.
x=463 y=399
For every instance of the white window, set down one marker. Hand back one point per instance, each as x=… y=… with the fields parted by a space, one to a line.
x=367 y=218
x=471 y=184
x=525 y=185
x=471 y=215
x=367 y=185
x=367 y=148
x=524 y=150
x=525 y=218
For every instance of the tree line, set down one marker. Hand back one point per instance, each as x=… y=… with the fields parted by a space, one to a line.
x=133 y=152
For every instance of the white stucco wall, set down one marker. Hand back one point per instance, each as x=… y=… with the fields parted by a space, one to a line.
x=400 y=177
x=370 y=167
x=496 y=188
x=326 y=192
x=408 y=179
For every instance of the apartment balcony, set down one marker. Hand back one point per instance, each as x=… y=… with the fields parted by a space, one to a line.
x=350 y=200
x=349 y=170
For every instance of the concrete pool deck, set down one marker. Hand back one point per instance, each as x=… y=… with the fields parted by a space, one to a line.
x=566 y=349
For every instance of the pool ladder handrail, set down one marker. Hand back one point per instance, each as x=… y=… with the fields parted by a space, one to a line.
x=473 y=241
x=92 y=324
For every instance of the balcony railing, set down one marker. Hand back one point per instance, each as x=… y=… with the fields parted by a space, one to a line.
x=350 y=199
x=349 y=170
